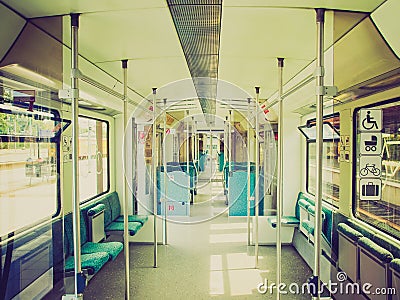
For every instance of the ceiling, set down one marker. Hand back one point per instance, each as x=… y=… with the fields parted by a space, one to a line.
x=253 y=34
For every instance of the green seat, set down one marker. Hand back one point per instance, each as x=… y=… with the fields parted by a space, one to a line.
x=377 y=251
x=363 y=230
x=133 y=227
x=133 y=218
x=392 y=247
x=111 y=248
x=91 y=262
x=311 y=211
x=395 y=265
x=349 y=232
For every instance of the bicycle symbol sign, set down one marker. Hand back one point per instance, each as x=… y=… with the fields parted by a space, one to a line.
x=370 y=120
x=370 y=166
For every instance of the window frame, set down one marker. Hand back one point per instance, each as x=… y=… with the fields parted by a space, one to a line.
x=57 y=141
x=354 y=163
x=108 y=159
x=313 y=141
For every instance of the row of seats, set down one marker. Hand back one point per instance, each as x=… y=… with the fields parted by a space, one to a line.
x=113 y=220
x=95 y=255
x=304 y=218
x=368 y=257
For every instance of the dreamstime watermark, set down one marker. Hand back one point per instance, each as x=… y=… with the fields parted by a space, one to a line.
x=342 y=287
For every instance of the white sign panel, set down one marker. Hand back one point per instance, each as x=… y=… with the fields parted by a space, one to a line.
x=370 y=120
x=370 y=189
x=370 y=166
x=67 y=148
x=370 y=143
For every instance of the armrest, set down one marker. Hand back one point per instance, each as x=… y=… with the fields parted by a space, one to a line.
x=96 y=210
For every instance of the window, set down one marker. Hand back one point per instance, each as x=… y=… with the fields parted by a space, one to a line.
x=382 y=210
x=93 y=158
x=330 y=159
x=29 y=167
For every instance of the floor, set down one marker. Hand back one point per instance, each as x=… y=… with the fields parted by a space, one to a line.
x=207 y=257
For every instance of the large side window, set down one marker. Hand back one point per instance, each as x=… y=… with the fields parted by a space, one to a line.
x=93 y=158
x=377 y=201
x=330 y=158
x=29 y=167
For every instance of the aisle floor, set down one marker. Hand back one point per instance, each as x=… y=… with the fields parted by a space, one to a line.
x=207 y=257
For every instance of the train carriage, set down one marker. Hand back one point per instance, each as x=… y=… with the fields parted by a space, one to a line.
x=199 y=149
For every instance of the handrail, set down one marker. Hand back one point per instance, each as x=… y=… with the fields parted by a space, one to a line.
x=31 y=229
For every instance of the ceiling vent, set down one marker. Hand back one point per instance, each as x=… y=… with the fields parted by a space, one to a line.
x=198 y=24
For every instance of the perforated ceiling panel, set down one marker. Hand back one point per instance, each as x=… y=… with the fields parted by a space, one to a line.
x=198 y=24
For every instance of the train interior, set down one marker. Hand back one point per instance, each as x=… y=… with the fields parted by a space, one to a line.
x=199 y=149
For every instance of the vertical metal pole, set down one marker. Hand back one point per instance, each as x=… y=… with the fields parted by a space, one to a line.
x=280 y=178
x=256 y=190
x=154 y=163
x=125 y=185
x=230 y=142
x=319 y=138
x=226 y=141
x=187 y=151
x=192 y=138
x=165 y=174
x=196 y=146
x=75 y=153
x=248 y=170
x=192 y=149
x=211 y=150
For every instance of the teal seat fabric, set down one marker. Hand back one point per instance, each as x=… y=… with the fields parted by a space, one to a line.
x=107 y=212
x=133 y=227
x=311 y=211
x=364 y=231
x=111 y=248
x=221 y=161
x=395 y=265
x=392 y=247
x=112 y=210
x=349 y=232
x=237 y=195
x=307 y=225
x=91 y=262
x=377 y=251
x=133 y=218
x=115 y=205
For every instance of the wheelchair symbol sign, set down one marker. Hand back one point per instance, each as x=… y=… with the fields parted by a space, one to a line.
x=370 y=120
